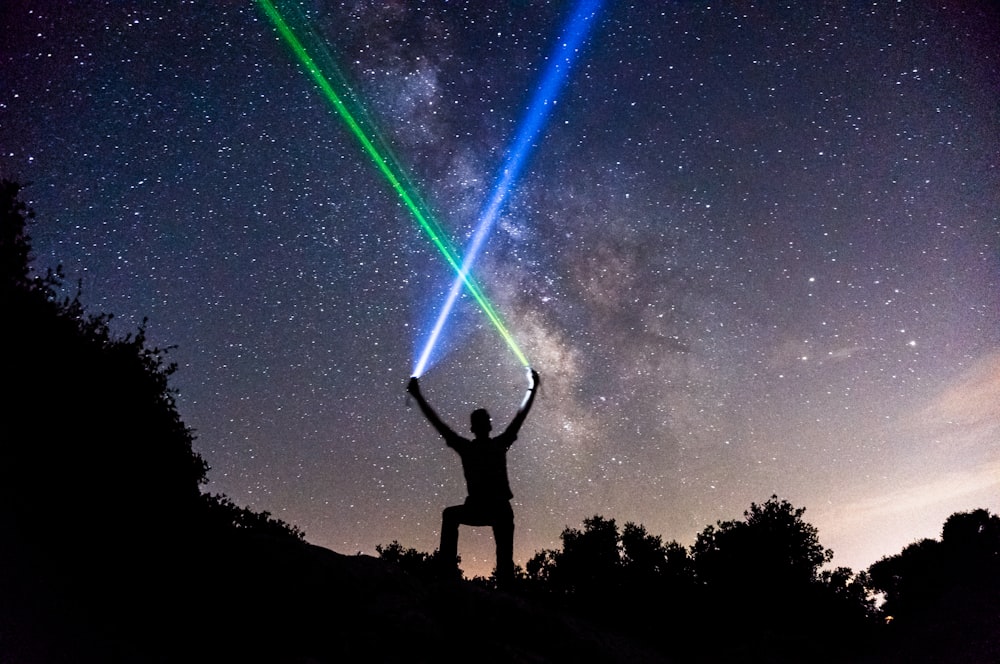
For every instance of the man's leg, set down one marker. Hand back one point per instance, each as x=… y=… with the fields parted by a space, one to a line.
x=503 y=535
x=451 y=518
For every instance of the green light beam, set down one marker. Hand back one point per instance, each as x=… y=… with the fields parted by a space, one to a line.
x=392 y=175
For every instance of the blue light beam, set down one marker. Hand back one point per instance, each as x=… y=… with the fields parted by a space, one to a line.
x=542 y=103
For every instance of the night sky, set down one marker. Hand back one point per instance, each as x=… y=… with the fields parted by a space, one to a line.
x=755 y=251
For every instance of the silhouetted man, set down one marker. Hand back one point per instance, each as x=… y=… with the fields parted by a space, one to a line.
x=484 y=462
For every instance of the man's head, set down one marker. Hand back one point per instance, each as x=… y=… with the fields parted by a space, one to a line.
x=480 y=423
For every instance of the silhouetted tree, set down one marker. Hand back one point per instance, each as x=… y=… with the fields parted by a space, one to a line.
x=650 y=566
x=589 y=563
x=851 y=592
x=657 y=584
x=917 y=578
x=629 y=579
x=761 y=581
x=972 y=545
x=911 y=579
x=771 y=547
x=538 y=568
x=944 y=595
x=644 y=557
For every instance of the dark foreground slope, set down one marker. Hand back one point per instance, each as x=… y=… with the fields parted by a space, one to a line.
x=109 y=551
x=252 y=599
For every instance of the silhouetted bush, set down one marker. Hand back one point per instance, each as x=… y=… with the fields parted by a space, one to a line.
x=95 y=450
x=103 y=517
x=408 y=559
x=221 y=513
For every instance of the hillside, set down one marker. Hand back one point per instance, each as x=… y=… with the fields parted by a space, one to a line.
x=110 y=552
x=253 y=599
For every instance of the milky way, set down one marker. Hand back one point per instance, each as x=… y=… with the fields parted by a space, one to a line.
x=755 y=251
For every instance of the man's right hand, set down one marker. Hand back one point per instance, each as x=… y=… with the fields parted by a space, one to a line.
x=413 y=387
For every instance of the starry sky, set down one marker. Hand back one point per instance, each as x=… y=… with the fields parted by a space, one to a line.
x=755 y=251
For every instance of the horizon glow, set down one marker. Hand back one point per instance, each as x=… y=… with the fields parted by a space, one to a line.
x=538 y=111
x=390 y=170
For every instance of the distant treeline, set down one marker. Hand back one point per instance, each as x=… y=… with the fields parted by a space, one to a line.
x=758 y=585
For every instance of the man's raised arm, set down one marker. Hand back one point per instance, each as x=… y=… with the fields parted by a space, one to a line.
x=413 y=387
x=529 y=400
